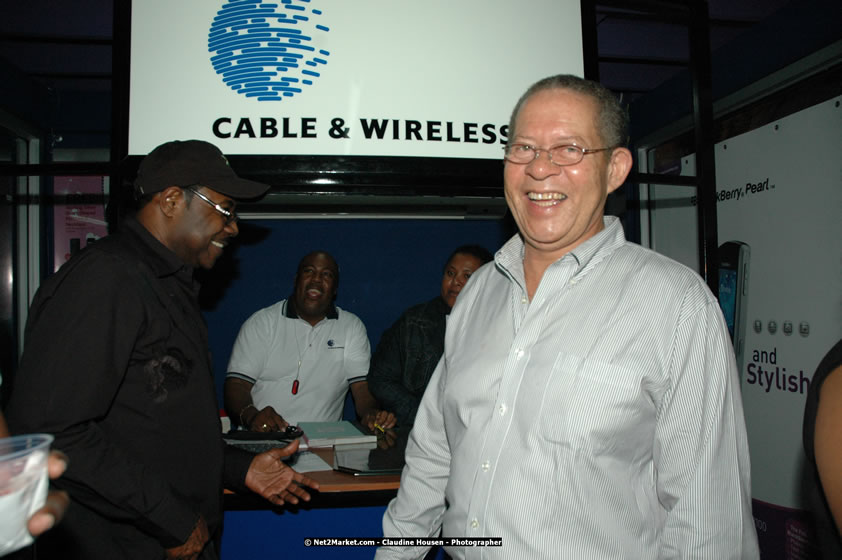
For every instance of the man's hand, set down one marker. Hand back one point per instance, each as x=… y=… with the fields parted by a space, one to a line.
x=57 y=501
x=241 y=408
x=379 y=420
x=368 y=410
x=386 y=439
x=267 y=420
x=271 y=478
x=194 y=544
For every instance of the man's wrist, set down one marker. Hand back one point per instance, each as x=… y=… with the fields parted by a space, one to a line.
x=246 y=422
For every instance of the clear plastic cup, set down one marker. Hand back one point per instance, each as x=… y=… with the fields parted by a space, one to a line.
x=23 y=486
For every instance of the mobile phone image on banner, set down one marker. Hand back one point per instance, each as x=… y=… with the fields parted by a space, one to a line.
x=734 y=257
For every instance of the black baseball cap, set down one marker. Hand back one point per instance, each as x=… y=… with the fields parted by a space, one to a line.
x=184 y=163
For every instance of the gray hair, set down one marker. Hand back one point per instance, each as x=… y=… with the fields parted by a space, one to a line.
x=612 y=121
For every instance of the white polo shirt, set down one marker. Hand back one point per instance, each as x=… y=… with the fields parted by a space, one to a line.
x=332 y=355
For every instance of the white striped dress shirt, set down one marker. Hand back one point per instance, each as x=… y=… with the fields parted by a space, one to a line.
x=600 y=420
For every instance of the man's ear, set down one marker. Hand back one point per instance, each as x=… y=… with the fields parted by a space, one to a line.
x=619 y=167
x=170 y=200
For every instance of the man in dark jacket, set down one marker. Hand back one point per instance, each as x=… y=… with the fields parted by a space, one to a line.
x=116 y=365
x=410 y=349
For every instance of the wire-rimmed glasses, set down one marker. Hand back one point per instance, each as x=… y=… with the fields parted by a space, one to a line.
x=562 y=154
x=229 y=215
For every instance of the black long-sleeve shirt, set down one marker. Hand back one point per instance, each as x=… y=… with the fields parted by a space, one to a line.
x=406 y=357
x=116 y=365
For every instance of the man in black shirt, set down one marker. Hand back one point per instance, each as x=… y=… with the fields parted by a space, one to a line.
x=116 y=365
x=410 y=349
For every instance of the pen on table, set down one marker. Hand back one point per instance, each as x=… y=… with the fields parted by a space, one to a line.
x=379 y=427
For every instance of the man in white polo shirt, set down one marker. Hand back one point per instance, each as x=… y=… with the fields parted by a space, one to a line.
x=294 y=361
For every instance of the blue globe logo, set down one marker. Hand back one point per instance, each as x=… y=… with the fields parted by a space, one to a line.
x=267 y=50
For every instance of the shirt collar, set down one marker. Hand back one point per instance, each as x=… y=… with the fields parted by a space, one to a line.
x=586 y=255
x=291 y=313
x=161 y=259
x=592 y=251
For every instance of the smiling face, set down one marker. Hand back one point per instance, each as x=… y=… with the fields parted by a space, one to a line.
x=456 y=274
x=199 y=233
x=557 y=208
x=315 y=286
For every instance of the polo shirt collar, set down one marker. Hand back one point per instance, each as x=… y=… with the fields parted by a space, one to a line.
x=291 y=313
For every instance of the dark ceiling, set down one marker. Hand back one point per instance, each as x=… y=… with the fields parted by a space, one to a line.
x=65 y=48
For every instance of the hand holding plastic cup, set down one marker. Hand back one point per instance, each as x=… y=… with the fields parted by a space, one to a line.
x=23 y=486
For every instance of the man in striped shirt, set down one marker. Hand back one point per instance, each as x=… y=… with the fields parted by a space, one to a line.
x=587 y=403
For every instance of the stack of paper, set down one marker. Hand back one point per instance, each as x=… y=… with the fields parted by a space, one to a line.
x=325 y=434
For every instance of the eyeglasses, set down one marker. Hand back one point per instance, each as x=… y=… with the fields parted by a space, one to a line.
x=229 y=215
x=563 y=154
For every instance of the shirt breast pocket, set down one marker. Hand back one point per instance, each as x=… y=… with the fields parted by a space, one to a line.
x=597 y=406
